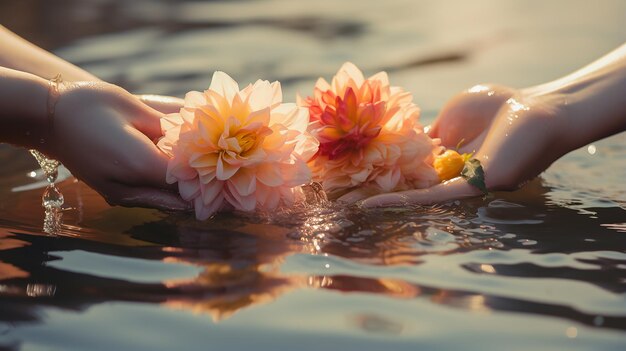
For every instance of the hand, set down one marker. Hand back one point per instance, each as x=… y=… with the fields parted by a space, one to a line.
x=104 y=135
x=162 y=103
x=514 y=134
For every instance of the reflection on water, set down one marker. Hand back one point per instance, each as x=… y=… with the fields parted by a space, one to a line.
x=543 y=267
x=472 y=256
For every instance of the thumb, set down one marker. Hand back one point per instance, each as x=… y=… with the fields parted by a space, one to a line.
x=356 y=195
x=129 y=196
x=163 y=104
x=148 y=122
x=148 y=111
x=453 y=189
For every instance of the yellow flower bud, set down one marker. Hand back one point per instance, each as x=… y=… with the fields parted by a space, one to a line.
x=449 y=165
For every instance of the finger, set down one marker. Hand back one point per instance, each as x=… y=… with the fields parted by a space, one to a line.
x=474 y=145
x=151 y=109
x=149 y=123
x=433 y=129
x=453 y=189
x=469 y=113
x=129 y=196
x=150 y=168
x=356 y=195
x=163 y=104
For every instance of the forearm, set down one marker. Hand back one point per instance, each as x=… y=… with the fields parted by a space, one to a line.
x=23 y=108
x=21 y=55
x=591 y=100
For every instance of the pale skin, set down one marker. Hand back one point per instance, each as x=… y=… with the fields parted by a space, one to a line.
x=102 y=133
x=518 y=133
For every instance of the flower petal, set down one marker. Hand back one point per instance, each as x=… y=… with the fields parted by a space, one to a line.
x=211 y=191
x=224 y=85
x=291 y=116
x=269 y=174
x=189 y=189
x=194 y=99
x=204 y=212
x=224 y=169
x=295 y=174
x=244 y=182
x=238 y=201
x=202 y=160
x=261 y=95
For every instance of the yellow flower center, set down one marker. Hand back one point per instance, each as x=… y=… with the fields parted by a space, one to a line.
x=246 y=140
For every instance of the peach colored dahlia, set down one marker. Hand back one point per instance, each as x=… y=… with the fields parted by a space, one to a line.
x=237 y=149
x=369 y=135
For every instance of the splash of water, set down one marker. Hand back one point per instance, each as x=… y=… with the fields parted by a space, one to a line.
x=52 y=200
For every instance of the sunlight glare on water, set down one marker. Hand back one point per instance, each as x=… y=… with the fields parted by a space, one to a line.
x=540 y=268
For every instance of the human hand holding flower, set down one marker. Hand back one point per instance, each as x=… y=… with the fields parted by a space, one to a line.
x=518 y=133
x=103 y=134
x=514 y=134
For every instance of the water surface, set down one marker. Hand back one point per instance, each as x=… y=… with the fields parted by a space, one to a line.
x=540 y=268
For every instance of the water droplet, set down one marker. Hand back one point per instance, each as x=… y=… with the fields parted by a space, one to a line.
x=478 y=88
x=49 y=166
x=591 y=149
x=314 y=194
x=52 y=220
x=52 y=197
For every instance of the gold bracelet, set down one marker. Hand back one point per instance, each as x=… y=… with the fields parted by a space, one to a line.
x=53 y=97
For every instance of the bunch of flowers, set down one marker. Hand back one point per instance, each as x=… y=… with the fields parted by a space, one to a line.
x=247 y=150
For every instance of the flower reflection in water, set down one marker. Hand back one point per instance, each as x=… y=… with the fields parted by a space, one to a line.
x=241 y=265
x=242 y=256
x=223 y=289
x=249 y=260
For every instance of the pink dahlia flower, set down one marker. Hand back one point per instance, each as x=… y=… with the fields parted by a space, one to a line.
x=237 y=149
x=369 y=135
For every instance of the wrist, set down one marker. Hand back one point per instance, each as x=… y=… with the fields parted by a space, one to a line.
x=591 y=100
x=23 y=107
x=587 y=109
